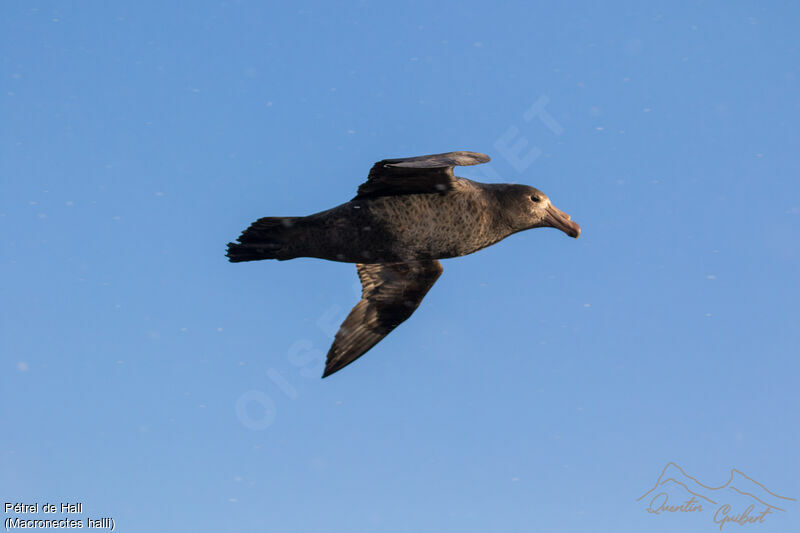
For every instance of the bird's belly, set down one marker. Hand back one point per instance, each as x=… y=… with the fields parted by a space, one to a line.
x=347 y=233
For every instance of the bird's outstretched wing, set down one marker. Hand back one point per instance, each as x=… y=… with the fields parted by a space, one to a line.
x=390 y=292
x=416 y=175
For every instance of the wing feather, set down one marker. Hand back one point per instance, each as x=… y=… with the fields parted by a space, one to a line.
x=390 y=293
x=416 y=175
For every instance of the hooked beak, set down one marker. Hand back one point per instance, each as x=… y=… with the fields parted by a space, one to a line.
x=556 y=218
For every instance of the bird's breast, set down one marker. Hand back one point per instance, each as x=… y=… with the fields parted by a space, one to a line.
x=435 y=226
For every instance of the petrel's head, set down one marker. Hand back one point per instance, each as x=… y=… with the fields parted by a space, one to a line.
x=528 y=208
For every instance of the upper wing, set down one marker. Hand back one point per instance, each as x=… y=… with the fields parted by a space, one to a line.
x=415 y=175
x=390 y=293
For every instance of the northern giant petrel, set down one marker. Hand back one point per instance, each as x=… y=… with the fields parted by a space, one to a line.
x=409 y=213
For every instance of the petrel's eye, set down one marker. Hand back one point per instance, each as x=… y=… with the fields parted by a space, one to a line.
x=536 y=199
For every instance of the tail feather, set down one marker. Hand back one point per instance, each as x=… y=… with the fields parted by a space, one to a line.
x=266 y=238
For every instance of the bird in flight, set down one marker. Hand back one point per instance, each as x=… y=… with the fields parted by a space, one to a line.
x=409 y=213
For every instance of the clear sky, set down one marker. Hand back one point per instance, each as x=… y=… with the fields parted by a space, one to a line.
x=543 y=384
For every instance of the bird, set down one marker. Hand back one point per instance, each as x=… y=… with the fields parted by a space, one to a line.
x=410 y=213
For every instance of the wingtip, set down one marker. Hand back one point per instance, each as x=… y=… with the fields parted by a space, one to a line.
x=478 y=156
x=331 y=368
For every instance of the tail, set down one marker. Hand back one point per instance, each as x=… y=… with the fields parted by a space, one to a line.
x=266 y=238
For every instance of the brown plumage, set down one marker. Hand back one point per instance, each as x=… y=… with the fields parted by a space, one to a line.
x=409 y=213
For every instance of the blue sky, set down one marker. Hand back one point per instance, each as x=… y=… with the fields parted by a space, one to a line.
x=543 y=384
